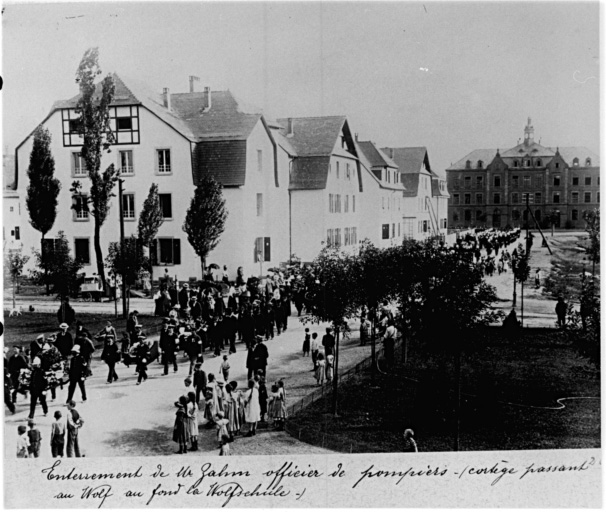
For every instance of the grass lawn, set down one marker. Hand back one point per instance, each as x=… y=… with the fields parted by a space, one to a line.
x=507 y=390
x=22 y=330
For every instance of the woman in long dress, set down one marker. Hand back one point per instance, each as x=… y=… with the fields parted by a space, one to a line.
x=252 y=409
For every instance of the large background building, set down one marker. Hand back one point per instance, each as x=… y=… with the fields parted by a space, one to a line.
x=492 y=188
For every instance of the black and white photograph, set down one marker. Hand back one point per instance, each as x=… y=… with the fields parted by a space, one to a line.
x=301 y=235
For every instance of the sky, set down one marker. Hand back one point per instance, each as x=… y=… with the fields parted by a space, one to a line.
x=451 y=76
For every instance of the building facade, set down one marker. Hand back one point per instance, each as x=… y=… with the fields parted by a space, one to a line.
x=291 y=185
x=528 y=183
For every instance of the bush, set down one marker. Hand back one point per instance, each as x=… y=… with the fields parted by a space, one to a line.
x=568 y=224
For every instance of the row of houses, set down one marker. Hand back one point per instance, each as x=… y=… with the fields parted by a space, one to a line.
x=291 y=185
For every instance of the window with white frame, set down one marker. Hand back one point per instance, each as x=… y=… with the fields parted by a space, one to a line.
x=128 y=206
x=163 y=161
x=80 y=207
x=347 y=171
x=78 y=165
x=353 y=236
x=126 y=162
x=575 y=197
x=346 y=205
x=346 y=236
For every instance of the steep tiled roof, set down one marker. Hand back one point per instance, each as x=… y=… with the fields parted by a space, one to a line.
x=314 y=136
x=282 y=141
x=485 y=155
x=225 y=119
x=580 y=152
x=375 y=156
x=224 y=160
x=408 y=160
x=309 y=173
x=8 y=172
x=122 y=96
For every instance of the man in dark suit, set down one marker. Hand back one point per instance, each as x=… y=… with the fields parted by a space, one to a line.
x=37 y=388
x=15 y=364
x=184 y=297
x=36 y=347
x=261 y=355
x=64 y=341
x=195 y=308
x=78 y=369
x=169 y=346
x=328 y=342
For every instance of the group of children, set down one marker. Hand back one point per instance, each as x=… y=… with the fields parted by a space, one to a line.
x=227 y=408
x=323 y=364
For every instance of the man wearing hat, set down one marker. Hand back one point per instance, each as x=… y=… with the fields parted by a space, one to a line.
x=64 y=341
x=50 y=356
x=168 y=348
x=111 y=355
x=87 y=348
x=37 y=388
x=184 y=297
x=78 y=369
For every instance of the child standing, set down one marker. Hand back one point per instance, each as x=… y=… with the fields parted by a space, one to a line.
x=306 y=342
x=320 y=368
x=224 y=446
x=57 y=436
x=221 y=427
x=179 y=429
x=22 y=443
x=192 y=420
x=225 y=368
x=34 y=438
x=262 y=395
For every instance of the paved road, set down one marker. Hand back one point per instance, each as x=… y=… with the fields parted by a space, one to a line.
x=123 y=419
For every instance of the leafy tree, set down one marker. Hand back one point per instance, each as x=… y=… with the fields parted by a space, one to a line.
x=14 y=262
x=93 y=107
x=521 y=271
x=332 y=295
x=43 y=188
x=150 y=221
x=583 y=327
x=58 y=268
x=205 y=218
x=551 y=217
x=128 y=260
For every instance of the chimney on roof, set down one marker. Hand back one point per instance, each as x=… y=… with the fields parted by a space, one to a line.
x=290 y=128
x=391 y=153
x=166 y=97
x=193 y=79
x=207 y=99
x=356 y=136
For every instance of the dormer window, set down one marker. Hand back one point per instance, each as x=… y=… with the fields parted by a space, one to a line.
x=588 y=162
x=575 y=162
x=468 y=164
x=538 y=162
x=516 y=163
x=480 y=164
x=528 y=163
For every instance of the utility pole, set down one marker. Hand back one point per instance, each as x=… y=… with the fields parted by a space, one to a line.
x=122 y=255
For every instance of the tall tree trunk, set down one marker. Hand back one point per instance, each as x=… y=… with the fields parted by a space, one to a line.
x=335 y=377
x=45 y=269
x=99 y=254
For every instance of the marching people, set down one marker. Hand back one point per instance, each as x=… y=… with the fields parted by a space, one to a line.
x=16 y=363
x=261 y=355
x=142 y=352
x=87 y=348
x=168 y=348
x=36 y=347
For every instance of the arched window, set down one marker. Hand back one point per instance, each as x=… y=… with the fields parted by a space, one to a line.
x=480 y=164
x=468 y=164
x=588 y=162
x=575 y=162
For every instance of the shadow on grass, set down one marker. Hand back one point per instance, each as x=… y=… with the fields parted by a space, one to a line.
x=153 y=441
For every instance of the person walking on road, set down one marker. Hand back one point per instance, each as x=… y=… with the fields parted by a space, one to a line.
x=111 y=355
x=64 y=341
x=328 y=342
x=78 y=369
x=37 y=388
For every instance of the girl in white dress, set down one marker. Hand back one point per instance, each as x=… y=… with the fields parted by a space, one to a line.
x=252 y=408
